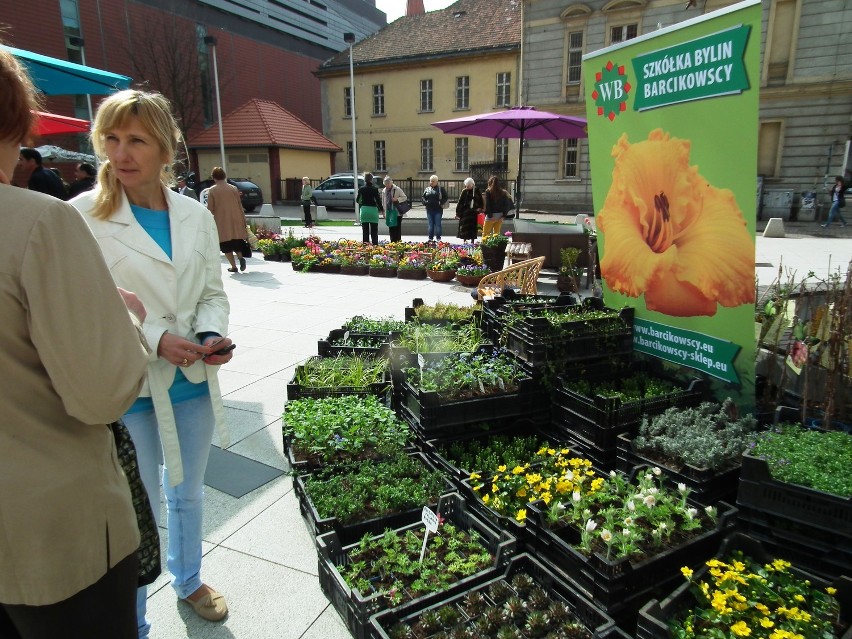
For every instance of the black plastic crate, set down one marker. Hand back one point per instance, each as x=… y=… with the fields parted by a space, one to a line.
x=536 y=327
x=327 y=347
x=555 y=584
x=298 y=391
x=430 y=412
x=349 y=533
x=654 y=615
x=539 y=351
x=356 y=608
x=706 y=485
x=806 y=507
x=622 y=587
x=603 y=460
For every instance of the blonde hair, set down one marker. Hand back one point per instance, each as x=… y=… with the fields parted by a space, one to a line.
x=154 y=112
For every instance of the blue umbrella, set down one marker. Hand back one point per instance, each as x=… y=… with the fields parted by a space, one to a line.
x=53 y=76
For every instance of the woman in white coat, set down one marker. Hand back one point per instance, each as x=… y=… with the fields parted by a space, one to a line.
x=165 y=248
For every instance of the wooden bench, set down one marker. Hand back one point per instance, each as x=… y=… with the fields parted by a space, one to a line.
x=518 y=252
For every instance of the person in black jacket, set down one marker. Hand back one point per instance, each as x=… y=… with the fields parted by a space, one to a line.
x=369 y=205
x=41 y=179
x=838 y=201
x=470 y=205
x=85 y=181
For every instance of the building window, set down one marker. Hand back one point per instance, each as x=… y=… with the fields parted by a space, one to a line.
x=572 y=156
x=463 y=92
x=426 y=95
x=575 y=56
x=378 y=99
x=623 y=32
x=504 y=89
x=347 y=102
x=501 y=151
x=427 y=154
x=349 y=156
x=781 y=41
x=461 y=154
x=769 y=148
x=379 y=152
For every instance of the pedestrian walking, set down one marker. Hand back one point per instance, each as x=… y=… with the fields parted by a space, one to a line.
x=838 y=201
x=434 y=198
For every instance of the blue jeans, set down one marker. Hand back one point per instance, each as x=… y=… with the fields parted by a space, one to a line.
x=833 y=212
x=195 y=422
x=433 y=218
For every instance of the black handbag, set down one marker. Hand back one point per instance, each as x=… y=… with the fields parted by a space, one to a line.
x=245 y=249
x=403 y=207
x=148 y=552
x=508 y=209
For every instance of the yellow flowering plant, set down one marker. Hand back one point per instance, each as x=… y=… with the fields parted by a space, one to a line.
x=550 y=474
x=742 y=598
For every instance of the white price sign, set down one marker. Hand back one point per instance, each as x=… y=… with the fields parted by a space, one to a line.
x=430 y=520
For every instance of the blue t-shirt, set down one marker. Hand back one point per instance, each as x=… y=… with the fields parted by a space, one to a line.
x=156 y=224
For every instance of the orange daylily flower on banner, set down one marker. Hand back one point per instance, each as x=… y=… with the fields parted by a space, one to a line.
x=671 y=235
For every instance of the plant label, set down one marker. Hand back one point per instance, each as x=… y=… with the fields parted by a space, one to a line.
x=346 y=336
x=430 y=520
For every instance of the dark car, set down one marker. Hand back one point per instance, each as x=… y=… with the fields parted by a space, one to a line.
x=250 y=193
x=337 y=191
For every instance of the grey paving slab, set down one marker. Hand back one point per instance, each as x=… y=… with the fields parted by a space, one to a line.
x=243 y=423
x=224 y=515
x=265 y=446
x=231 y=380
x=267 y=395
x=265 y=601
x=328 y=626
x=260 y=361
x=278 y=534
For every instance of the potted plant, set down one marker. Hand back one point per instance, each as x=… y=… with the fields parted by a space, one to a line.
x=699 y=447
x=357 y=498
x=795 y=495
x=624 y=540
x=443 y=267
x=267 y=247
x=385 y=571
x=383 y=264
x=471 y=274
x=782 y=600
x=287 y=243
x=530 y=599
x=493 y=249
x=412 y=266
x=334 y=430
x=342 y=375
x=567 y=281
x=354 y=263
x=441 y=313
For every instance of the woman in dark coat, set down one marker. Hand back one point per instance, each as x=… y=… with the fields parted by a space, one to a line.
x=468 y=208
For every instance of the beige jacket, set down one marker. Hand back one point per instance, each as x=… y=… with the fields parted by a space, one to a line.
x=182 y=295
x=70 y=362
x=224 y=203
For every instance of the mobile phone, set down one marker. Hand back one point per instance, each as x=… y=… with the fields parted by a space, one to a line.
x=222 y=351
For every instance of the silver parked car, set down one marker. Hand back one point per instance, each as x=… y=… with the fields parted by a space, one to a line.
x=337 y=191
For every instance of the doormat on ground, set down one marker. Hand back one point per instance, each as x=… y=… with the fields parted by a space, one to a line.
x=237 y=475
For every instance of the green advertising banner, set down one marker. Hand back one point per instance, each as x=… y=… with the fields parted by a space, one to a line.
x=673 y=125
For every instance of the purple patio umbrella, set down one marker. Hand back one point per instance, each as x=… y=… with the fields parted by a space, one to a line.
x=524 y=123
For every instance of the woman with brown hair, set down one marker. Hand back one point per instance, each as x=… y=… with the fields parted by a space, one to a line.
x=165 y=247
x=224 y=203
x=497 y=204
x=71 y=362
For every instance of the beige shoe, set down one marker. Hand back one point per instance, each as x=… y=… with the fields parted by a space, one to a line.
x=211 y=606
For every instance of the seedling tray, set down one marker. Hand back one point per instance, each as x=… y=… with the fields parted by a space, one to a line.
x=356 y=608
x=328 y=348
x=656 y=613
x=299 y=391
x=621 y=587
x=557 y=585
x=706 y=485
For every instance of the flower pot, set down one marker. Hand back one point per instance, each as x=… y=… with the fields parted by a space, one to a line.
x=383 y=271
x=441 y=276
x=411 y=273
x=564 y=284
x=326 y=268
x=469 y=280
x=271 y=258
x=355 y=269
x=494 y=256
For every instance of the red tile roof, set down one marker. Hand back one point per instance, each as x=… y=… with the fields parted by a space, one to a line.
x=466 y=26
x=264 y=123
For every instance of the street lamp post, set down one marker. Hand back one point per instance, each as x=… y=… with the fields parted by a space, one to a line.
x=79 y=42
x=349 y=38
x=210 y=41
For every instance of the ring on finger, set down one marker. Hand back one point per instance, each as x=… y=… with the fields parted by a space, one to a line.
x=185 y=362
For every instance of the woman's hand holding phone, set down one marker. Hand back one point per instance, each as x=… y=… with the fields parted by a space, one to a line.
x=221 y=350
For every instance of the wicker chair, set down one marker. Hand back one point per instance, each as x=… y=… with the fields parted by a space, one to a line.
x=523 y=276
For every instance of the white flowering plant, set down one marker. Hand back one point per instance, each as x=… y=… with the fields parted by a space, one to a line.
x=631 y=519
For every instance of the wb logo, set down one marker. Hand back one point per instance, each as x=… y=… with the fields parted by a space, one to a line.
x=613 y=90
